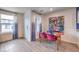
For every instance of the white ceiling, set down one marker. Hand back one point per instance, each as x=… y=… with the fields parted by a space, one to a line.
x=40 y=10
x=44 y=10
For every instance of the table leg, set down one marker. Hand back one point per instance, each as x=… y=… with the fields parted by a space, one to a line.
x=58 y=42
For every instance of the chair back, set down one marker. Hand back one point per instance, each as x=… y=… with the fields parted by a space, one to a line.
x=42 y=35
x=51 y=37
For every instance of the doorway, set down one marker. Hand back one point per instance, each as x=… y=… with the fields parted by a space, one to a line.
x=38 y=26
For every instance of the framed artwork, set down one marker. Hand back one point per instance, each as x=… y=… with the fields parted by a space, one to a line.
x=77 y=18
x=56 y=24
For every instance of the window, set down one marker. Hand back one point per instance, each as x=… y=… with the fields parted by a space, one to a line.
x=7 y=23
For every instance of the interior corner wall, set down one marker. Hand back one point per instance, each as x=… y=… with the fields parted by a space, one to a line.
x=20 y=20
x=70 y=33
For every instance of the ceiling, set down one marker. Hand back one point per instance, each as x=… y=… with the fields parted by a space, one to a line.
x=40 y=10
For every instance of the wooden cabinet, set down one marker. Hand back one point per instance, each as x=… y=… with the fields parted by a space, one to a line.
x=6 y=37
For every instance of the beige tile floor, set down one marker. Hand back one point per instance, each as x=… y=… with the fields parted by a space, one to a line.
x=22 y=45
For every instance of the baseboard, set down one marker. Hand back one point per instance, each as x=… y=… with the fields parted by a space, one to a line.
x=72 y=43
x=20 y=37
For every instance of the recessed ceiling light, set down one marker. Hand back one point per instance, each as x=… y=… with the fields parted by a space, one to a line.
x=51 y=9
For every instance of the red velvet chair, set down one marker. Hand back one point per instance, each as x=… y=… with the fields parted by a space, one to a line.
x=51 y=37
x=48 y=37
x=42 y=36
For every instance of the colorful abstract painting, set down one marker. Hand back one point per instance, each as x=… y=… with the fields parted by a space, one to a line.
x=56 y=24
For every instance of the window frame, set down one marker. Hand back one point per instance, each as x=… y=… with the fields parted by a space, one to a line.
x=6 y=23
